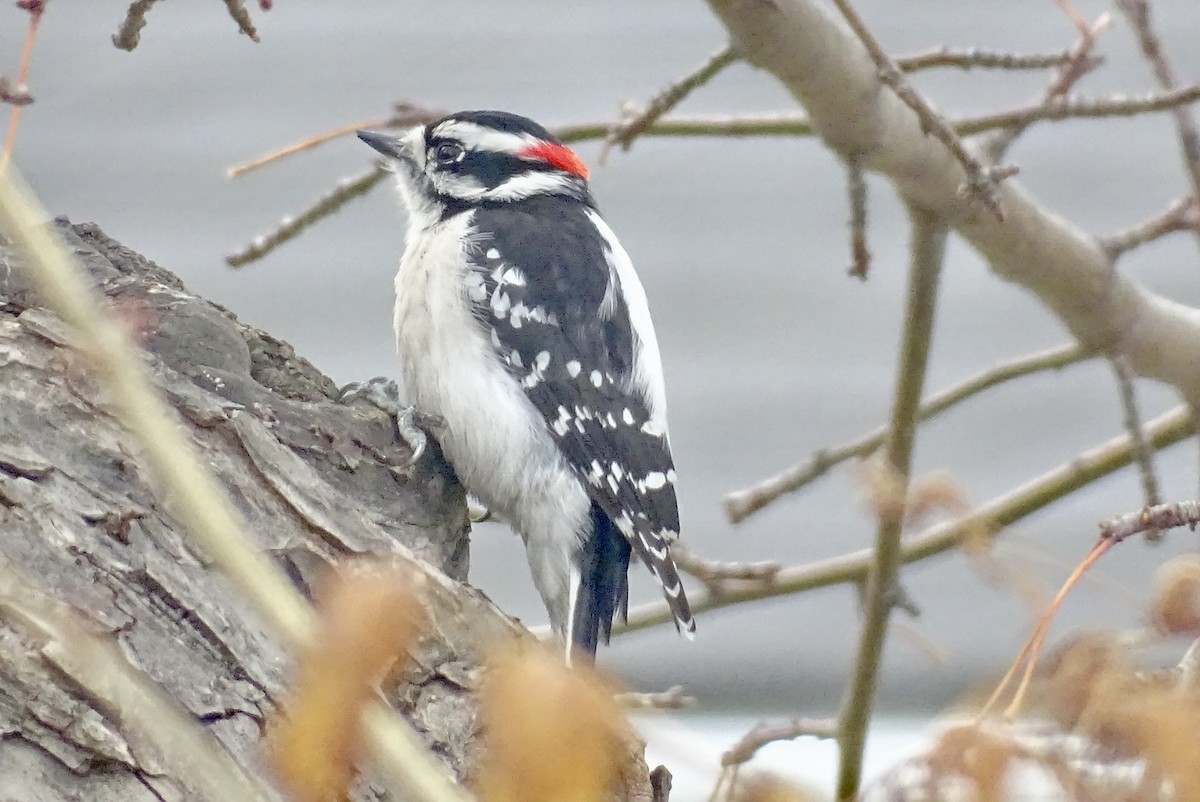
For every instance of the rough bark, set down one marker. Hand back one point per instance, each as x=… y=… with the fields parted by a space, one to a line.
x=316 y=480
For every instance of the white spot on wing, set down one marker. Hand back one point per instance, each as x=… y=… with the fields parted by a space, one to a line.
x=573 y=368
x=627 y=416
x=655 y=480
x=563 y=422
x=492 y=253
x=501 y=303
x=597 y=379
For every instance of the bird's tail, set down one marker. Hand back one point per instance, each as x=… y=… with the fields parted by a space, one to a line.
x=603 y=589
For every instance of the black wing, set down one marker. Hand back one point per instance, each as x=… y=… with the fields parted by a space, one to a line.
x=545 y=291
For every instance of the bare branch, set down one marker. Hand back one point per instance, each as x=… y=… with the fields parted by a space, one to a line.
x=1061 y=108
x=672 y=698
x=989 y=518
x=979 y=185
x=1144 y=455
x=130 y=32
x=743 y=503
x=1078 y=65
x=714 y=573
x=860 y=256
x=1138 y=12
x=928 y=251
x=20 y=91
x=1160 y=517
x=303 y=145
x=983 y=59
x=782 y=124
x=404 y=115
x=237 y=10
x=626 y=132
x=749 y=744
x=288 y=228
x=1182 y=215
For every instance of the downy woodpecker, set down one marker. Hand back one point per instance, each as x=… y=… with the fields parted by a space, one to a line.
x=521 y=322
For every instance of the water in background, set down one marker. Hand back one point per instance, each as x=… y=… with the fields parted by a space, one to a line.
x=770 y=350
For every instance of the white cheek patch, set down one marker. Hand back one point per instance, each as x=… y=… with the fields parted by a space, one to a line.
x=455 y=185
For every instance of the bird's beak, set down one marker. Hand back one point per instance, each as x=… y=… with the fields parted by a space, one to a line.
x=394 y=147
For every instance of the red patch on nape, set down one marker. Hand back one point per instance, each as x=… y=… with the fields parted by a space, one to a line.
x=558 y=156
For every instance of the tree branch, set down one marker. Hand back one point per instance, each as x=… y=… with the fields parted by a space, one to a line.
x=1138 y=12
x=979 y=185
x=624 y=133
x=831 y=74
x=741 y=504
x=928 y=254
x=989 y=518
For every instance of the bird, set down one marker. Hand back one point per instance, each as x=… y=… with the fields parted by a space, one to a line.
x=521 y=324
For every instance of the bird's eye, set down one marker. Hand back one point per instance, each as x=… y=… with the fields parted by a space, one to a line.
x=448 y=152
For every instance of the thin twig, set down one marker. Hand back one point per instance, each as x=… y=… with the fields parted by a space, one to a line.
x=35 y=10
x=990 y=518
x=237 y=10
x=860 y=256
x=1160 y=517
x=672 y=698
x=1138 y=12
x=714 y=573
x=929 y=236
x=721 y=125
x=1028 y=656
x=1132 y=419
x=403 y=115
x=978 y=185
x=196 y=499
x=984 y=59
x=762 y=734
x=1061 y=108
x=130 y=32
x=742 y=503
x=303 y=145
x=1078 y=65
x=1182 y=215
x=288 y=228
x=626 y=132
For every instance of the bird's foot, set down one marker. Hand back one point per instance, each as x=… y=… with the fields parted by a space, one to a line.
x=411 y=423
x=476 y=511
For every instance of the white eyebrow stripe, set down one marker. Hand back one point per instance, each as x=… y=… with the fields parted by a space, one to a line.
x=479 y=137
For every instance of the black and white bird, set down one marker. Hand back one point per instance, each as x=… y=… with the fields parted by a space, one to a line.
x=521 y=322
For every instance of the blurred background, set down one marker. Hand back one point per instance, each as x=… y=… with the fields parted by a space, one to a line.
x=770 y=350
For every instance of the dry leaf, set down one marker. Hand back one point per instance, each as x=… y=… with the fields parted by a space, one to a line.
x=369 y=615
x=552 y=733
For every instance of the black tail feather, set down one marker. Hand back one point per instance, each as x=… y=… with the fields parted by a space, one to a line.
x=603 y=583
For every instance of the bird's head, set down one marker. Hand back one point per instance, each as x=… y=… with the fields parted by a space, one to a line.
x=472 y=158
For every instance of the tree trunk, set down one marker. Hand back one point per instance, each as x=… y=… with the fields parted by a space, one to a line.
x=314 y=478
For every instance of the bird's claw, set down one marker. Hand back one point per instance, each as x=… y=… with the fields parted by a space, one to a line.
x=411 y=423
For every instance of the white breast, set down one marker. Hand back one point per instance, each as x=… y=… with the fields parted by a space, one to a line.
x=494 y=437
